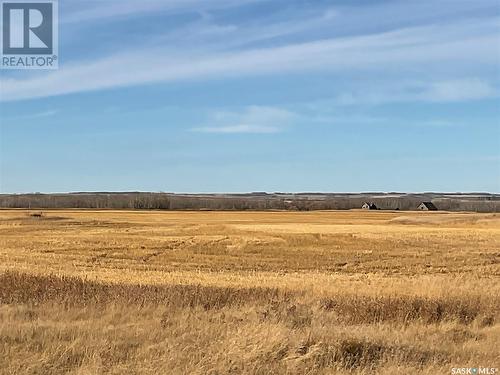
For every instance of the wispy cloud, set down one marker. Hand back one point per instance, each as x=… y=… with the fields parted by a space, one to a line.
x=459 y=90
x=98 y=10
x=401 y=51
x=47 y=113
x=32 y=116
x=455 y=90
x=253 y=119
x=438 y=123
x=240 y=128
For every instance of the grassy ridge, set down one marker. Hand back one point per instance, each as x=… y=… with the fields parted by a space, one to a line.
x=18 y=288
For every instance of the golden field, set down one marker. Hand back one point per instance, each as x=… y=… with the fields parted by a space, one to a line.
x=160 y=292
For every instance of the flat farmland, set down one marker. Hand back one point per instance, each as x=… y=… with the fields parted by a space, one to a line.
x=148 y=292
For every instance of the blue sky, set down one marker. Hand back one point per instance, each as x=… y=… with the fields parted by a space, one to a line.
x=255 y=95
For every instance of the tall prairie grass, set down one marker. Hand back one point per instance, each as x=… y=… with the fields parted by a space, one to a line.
x=249 y=293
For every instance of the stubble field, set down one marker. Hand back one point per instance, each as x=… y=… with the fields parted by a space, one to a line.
x=151 y=292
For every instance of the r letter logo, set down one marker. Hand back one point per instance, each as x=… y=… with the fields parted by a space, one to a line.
x=29 y=34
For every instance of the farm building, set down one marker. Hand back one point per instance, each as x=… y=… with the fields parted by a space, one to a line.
x=427 y=206
x=369 y=206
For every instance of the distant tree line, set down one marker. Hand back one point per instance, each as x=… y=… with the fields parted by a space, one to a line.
x=260 y=201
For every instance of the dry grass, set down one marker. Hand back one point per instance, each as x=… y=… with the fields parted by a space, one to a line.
x=92 y=292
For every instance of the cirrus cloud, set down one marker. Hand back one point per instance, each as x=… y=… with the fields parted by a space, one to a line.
x=252 y=119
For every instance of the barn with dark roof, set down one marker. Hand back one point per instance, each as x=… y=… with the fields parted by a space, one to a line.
x=369 y=206
x=427 y=206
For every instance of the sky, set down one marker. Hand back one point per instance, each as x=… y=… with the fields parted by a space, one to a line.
x=258 y=95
